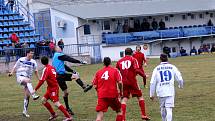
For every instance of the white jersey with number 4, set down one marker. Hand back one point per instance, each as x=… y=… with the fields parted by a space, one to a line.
x=25 y=67
x=163 y=78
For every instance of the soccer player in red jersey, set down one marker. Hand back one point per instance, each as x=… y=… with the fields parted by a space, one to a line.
x=141 y=58
x=128 y=67
x=105 y=82
x=49 y=75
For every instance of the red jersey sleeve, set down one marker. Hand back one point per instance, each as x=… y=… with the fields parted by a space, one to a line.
x=95 y=80
x=135 y=64
x=44 y=74
x=118 y=76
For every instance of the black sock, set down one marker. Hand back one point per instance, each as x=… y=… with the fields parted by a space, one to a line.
x=80 y=83
x=66 y=102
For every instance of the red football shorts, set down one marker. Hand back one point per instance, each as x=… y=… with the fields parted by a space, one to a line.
x=132 y=90
x=104 y=103
x=53 y=95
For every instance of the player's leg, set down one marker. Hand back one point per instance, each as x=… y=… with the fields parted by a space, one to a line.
x=26 y=102
x=27 y=83
x=63 y=110
x=78 y=80
x=169 y=104
x=116 y=106
x=48 y=106
x=123 y=106
x=62 y=84
x=136 y=92
x=162 y=108
x=100 y=116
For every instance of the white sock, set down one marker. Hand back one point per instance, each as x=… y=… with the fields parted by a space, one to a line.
x=163 y=114
x=169 y=114
x=31 y=89
x=26 y=101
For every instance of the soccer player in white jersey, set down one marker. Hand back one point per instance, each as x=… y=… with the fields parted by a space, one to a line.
x=24 y=68
x=162 y=82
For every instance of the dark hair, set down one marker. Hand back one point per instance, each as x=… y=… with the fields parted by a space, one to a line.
x=107 y=61
x=138 y=46
x=44 y=60
x=163 y=57
x=128 y=51
x=29 y=50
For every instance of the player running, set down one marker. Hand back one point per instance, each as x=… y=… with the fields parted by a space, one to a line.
x=105 y=82
x=24 y=68
x=162 y=82
x=63 y=75
x=128 y=67
x=49 y=75
x=141 y=60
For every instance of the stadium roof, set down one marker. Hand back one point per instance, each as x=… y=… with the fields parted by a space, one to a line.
x=98 y=9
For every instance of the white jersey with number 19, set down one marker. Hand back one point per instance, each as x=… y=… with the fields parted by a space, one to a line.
x=163 y=78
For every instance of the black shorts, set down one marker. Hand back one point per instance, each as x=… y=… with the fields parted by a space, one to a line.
x=62 y=78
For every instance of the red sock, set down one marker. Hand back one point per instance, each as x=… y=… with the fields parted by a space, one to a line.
x=62 y=109
x=49 y=107
x=123 y=106
x=142 y=107
x=119 y=118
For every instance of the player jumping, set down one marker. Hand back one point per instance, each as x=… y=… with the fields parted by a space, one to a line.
x=128 y=67
x=49 y=75
x=63 y=75
x=162 y=82
x=105 y=82
x=24 y=68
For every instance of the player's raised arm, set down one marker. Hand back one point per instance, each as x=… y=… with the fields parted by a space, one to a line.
x=70 y=59
x=14 y=67
x=179 y=78
x=153 y=84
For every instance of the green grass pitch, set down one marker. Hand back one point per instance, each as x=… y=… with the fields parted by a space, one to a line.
x=194 y=103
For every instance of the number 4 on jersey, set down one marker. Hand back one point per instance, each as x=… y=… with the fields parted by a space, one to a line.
x=105 y=75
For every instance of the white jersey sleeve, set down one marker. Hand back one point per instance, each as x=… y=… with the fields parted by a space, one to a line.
x=153 y=83
x=178 y=78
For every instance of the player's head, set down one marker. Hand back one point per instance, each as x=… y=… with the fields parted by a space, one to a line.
x=138 y=48
x=57 y=49
x=107 y=61
x=128 y=51
x=30 y=54
x=45 y=60
x=163 y=57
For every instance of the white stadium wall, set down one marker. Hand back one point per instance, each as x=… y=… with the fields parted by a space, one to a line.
x=114 y=51
x=68 y=34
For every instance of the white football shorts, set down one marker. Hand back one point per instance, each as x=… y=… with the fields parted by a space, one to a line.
x=167 y=101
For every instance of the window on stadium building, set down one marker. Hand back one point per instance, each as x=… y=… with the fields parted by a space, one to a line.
x=106 y=25
x=42 y=21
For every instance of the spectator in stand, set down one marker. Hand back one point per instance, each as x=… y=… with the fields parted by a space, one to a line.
x=154 y=24
x=51 y=47
x=61 y=44
x=210 y=23
x=7 y=51
x=11 y=4
x=162 y=25
x=18 y=50
x=213 y=49
x=137 y=26
x=125 y=27
x=183 y=52
x=14 y=38
x=193 y=51
x=200 y=50
x=205 y=49
x=145 y=25
x=167 y=51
